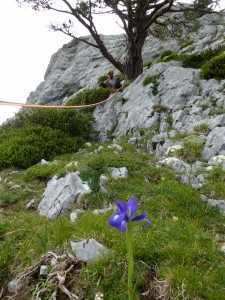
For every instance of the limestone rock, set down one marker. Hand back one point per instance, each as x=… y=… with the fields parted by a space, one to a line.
x=215 y=143
x=61 y=193
x=87 y=250
x=119 y=172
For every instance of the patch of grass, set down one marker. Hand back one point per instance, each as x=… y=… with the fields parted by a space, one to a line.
x=181 y=242
x=202 y=128
x=204 y=106
x=154 y=80
x=159 y=108
x=217 y=111
x=41 y=172
x=215 y=186
x=169 y=120
x=165 y=53
x=192 y=150
x=9 y=197
x=148 y=64
x=186 y=44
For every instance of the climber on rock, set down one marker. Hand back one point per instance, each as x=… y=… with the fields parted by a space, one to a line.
x=111 y=81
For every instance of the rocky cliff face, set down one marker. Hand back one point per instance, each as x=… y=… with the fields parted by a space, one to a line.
x=186 y=99
x=78 y=65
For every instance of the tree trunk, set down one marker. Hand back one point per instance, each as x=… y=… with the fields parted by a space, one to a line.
x=133 y=65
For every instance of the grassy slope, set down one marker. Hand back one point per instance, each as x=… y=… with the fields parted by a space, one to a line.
x=181 y=249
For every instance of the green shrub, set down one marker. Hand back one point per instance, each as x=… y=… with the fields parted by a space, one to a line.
x=186 y=44
x=120 y=76
x=90 y=96
x=102 y=78
x=173 y=56
x=214 y=68
x=197 y=60
x=148 y=64
x=41 y=172
x=165 y=53
x=71 y=122
x=26 y=146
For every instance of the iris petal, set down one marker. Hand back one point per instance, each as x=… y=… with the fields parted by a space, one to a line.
x=115 y=220
x=142 y=217
x=132 y=206
x=149 y=223
x=122 y=206
x=139 y=217
x=122 y=226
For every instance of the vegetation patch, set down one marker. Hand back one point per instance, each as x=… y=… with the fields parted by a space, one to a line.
x=165 y=53
x=148 y=64
x=42 y=134
x=192 y=150
x=160 y=108
x=214 y=68
x=90 y=96
x=186 y=44
x=154 y=81
x=179 y=247
x=215 y=186
x=202 y=128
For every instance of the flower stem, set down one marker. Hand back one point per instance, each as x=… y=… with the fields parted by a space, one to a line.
x=130 y=259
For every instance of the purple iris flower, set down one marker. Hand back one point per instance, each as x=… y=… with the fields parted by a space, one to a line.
x=126 y=211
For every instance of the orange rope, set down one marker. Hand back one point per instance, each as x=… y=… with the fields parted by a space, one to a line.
x=55 y=106
x=48 y=106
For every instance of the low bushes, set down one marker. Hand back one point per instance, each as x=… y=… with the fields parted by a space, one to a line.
x=26 y=146
x=90 y=96
x=43 y=133
x=214 y=68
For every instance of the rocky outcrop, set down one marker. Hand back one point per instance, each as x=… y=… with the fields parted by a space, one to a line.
x=61 y=193
x=176 y=102
x=78 y=65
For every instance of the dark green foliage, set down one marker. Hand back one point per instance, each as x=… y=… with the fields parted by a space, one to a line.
x=68 y=121
x=186 y=44
x=41 y=172
x=42 y=133
x=214 y=68
x=170 y=56
x=102 y=78
x=197 y=60
x=90 y=96
x=8 y=197
x=120 y=76
x=4 y=224
x=165 y=53
x=148 y=64
x=26 y=146
x=173 y=56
